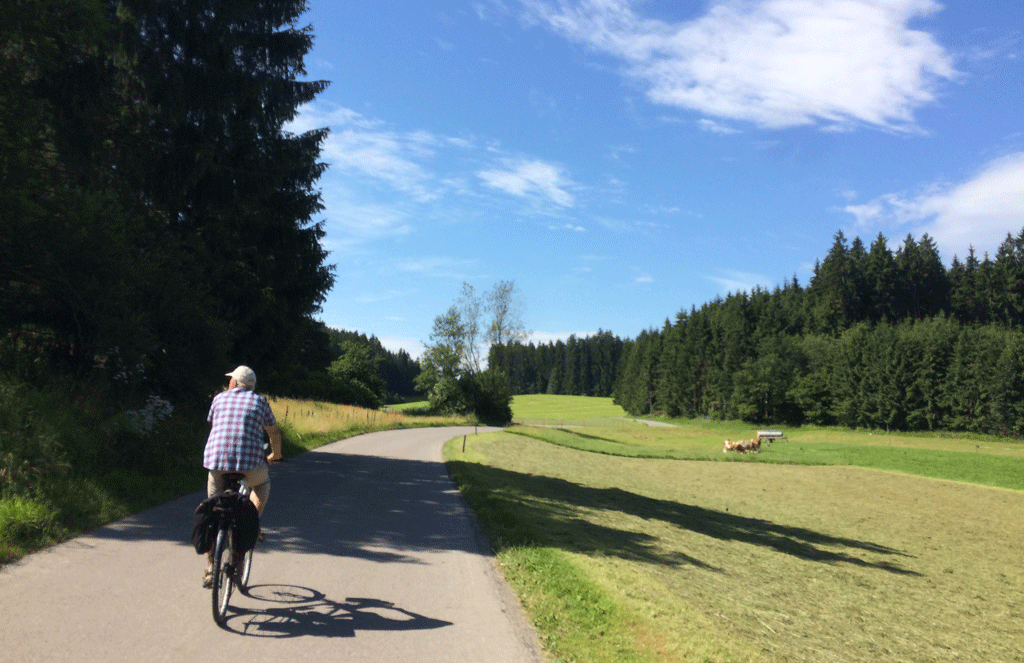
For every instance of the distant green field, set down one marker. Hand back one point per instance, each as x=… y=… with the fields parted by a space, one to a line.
x=998 y=467
x=545 y=409
x=541 y=409
x=417 y=405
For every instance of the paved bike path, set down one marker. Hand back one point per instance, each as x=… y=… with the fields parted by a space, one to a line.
x=371 y=555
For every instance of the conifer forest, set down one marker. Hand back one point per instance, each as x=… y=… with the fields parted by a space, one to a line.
x=880 y=339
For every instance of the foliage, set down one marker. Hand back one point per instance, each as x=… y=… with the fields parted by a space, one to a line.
x=878 y=340
x=386 y=376
x=357 y=369
x=574 y=367
x=444 y=359
x=157 y=228
x=157 y=219
x=451 y=375
x=488 y=397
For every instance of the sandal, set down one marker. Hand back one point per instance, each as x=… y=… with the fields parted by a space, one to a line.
x=208 y=580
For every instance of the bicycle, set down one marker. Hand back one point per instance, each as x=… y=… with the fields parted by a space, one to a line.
x=229 y=570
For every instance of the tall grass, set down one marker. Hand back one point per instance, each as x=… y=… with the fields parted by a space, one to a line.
x=310 y=424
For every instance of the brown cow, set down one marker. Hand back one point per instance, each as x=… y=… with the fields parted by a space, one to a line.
x=742 y=446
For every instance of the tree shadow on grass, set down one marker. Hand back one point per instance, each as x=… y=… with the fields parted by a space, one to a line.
x=524 y=509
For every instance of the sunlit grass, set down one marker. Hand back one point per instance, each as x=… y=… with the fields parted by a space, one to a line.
x=310 y=424
x=947 y=458
x=544 y=409
x=748 y=561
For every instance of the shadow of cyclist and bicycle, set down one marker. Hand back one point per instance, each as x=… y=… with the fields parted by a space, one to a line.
x=289 y=611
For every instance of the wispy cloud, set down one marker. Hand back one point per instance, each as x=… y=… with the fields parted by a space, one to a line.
x=439 y=266
x=736 y=281
x=978 y=212
x=569 y=226
x=543 y=338
x=716 y=127
x=380 y=179
x=532 y=179
x=775 y=63
x=351 y=223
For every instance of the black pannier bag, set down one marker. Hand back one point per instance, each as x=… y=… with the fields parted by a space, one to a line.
x=206 y=519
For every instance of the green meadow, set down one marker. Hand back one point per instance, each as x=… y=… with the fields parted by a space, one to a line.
x=630 y=542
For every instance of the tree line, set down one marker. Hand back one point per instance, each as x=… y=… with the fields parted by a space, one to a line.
x=348 y=367
x=584 y=366
x=878 y=339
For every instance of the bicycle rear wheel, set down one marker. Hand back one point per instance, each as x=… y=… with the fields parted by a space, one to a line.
x=222 y=572
x=243 y=572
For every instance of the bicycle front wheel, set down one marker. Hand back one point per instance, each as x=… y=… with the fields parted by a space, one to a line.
x=222 y=571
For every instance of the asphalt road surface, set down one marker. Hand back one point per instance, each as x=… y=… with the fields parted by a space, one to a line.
x=370 y=555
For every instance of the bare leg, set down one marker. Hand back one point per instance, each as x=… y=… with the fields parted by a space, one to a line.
x=259 y=496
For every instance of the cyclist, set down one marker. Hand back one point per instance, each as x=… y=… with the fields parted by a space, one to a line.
x=238 y=417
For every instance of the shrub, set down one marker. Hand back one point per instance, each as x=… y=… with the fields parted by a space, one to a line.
x=489 y=397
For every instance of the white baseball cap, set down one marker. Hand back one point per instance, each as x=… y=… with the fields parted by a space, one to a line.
x=244 y=375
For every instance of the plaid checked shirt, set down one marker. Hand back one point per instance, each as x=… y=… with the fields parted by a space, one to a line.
x=235 y=444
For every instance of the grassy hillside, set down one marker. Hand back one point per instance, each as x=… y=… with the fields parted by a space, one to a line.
x=654 y=549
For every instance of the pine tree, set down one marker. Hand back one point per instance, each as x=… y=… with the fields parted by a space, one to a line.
x=1007 y=287
x=880 y=279
x=834 y=290
x=923 y=285
x=235 y=186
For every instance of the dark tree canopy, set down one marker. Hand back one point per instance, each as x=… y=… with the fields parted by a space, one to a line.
x=158 y=222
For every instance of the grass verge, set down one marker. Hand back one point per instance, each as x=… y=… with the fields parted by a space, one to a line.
x=68 y=499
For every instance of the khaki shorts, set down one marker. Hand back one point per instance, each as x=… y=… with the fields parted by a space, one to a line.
x=258 y=479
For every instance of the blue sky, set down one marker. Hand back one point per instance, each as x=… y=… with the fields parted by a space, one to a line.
x=622 y=160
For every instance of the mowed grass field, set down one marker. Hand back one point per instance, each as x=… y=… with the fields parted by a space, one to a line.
x=634 y=543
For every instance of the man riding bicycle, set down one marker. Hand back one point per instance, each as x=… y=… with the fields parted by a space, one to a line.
x=238 y=418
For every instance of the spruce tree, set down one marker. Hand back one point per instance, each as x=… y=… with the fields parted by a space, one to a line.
x=236 y=188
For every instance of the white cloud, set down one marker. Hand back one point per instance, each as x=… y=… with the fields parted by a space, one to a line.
x=359 y=144
x=978 y=212
x=716 y=127
x=438 y=266
x=776 y=63
x=412 y=346
x=569 y=226
x=533 y=179
x=735 y=281
x=381 y=179
x=383 y=156
x=543 y=338
x=491 y=10
x=360 y=223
